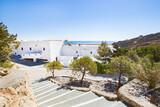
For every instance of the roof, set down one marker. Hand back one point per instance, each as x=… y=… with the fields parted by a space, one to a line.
x=85 y=42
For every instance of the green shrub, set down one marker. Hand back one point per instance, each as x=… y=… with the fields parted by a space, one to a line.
x=150 y=51
x=149 y=72
x=120 y=51
x=6 y=64
x=102 y=68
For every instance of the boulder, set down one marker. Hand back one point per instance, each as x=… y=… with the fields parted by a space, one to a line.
x=135 y=99
x=15 y=91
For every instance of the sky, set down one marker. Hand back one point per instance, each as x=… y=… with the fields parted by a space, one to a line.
x=110 y=20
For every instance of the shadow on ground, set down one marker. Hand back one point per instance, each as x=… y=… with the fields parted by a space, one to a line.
x=27 y=62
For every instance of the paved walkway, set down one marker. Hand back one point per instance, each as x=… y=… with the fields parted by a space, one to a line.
x=51 y=95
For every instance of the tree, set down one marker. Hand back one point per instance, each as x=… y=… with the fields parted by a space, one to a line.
x=151 y=51
x=83 y=65
x=104 y=51
x=120 y=65
x=119 y=51
x=51 y=66
x=7 y=43
x=132 y=54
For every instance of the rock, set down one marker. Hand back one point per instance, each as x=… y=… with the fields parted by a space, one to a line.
x=15 y=91
x=3 y=102
x=3 y=72
x=131 y=95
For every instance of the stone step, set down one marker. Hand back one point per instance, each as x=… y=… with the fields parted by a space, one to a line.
x=76 y=100
x=45 y=91
x=44 y=87
x=58 y=94
x=70 y=98
x=39 y=84
x=50 y=95
x=54 y=99
x=101 y=102
x=92 y=103
x=120 y=104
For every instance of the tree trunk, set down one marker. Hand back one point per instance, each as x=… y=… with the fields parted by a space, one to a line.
x=53 y=73
x=152 y=90
x=119 y=80
x=82 y=77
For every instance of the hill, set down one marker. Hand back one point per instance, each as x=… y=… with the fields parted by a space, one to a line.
x=140 y=41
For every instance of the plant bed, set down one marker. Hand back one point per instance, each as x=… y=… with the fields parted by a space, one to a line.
x=69 y=81
x=101 y=88
x=105 y=88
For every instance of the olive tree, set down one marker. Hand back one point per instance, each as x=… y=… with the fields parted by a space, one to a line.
x=52 y=66
x=120 y=65
x=104 y=51
x=83 y=65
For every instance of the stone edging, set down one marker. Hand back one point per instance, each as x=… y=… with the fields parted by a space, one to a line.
x=108 y=96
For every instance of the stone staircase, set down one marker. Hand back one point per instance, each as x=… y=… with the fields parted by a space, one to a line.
x=51 y=95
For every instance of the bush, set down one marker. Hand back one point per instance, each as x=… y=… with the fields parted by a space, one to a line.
x=148 y=72
x=120 y=51
x=102 y=68
x=6 y=64
x=150 y=51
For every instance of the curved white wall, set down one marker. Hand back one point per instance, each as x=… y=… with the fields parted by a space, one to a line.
x=81 y=50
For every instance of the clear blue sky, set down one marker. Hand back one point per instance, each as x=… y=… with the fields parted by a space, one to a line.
x=110 y=20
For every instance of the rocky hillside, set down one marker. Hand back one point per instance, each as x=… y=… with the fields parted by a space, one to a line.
x=140 y=41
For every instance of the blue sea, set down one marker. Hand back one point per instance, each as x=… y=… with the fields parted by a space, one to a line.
x=86 y=42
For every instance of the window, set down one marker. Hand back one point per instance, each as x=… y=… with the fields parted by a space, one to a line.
x=22 y=48
x=30 y=49
x=56 y=58
x=44 y=49
x=76 y=51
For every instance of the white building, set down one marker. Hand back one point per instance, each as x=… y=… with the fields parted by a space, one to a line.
x=50 y=50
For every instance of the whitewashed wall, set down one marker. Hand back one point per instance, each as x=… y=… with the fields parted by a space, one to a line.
x=55 y=49
x=81 y=50
x=49 y=49
x=52 y=49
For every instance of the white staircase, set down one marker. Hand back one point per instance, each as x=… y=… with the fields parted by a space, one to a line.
x=51 y=95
